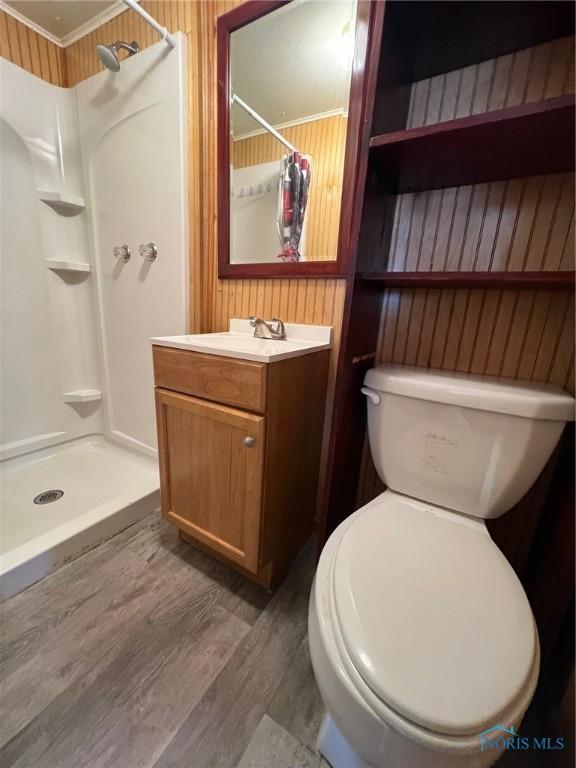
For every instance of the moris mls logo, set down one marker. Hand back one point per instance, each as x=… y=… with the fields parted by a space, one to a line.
x=499 y=737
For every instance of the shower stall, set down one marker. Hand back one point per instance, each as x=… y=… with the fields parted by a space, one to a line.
x=93 y=263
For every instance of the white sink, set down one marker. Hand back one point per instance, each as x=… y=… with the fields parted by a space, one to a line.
x=240 y=342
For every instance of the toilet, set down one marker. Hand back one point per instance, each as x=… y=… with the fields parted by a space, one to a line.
x=422 y=640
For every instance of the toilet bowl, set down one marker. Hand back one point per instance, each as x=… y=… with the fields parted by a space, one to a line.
x=421 y=637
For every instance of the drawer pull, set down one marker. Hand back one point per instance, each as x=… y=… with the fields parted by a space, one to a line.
x=249 y=442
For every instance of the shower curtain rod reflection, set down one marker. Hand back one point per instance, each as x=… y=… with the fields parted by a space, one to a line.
x=237 y=100
x=166 y=36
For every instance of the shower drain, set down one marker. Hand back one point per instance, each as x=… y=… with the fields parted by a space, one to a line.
x=47 y=497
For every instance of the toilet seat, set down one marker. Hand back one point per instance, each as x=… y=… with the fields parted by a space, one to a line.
x=363 y=715
x=432 y=615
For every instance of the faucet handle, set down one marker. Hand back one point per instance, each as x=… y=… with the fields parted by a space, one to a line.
x=122 y=253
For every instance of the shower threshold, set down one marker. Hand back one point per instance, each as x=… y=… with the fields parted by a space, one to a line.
x=104 y=489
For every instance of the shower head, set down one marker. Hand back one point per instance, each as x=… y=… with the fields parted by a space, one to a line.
x=108 y=54
x=108 y=57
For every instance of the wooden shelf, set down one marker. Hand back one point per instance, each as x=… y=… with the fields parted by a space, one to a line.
x=551 y=281
x=507 y=143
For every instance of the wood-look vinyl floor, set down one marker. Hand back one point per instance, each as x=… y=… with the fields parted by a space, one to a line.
x=146 y=652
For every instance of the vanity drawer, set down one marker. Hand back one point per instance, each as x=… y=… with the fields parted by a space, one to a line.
x=222 y=379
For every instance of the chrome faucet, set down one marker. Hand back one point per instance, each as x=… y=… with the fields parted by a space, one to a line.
x=263 y=330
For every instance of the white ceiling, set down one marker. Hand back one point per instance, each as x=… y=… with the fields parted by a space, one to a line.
x=294 y=62
x=60 y=17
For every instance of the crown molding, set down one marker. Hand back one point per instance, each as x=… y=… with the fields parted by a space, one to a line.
x=291 y=123
x=30 y=24
x=93 y=24
x=76 y=34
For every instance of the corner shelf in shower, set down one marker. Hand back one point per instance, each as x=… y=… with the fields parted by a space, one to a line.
x=61 y=265
x=62 y=202
x=82 y=396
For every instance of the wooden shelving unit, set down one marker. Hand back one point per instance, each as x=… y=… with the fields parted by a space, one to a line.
x=550 y=281
x=527 y=140
x=421 y=53
x=427 y=61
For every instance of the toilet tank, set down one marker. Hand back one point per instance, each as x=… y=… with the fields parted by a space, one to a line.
x=473 y=444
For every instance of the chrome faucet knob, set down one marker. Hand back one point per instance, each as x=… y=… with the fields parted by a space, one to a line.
x=122 y=253
x=148 y=251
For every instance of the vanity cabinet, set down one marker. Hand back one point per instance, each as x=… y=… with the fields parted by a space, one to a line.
x=239 y=447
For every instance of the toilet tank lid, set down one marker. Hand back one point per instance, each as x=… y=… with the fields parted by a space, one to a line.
x=486 y=393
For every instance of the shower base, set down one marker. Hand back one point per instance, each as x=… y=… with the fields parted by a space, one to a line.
x=105 y=489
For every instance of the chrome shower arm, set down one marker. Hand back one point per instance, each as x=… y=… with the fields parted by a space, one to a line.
x=132 y=47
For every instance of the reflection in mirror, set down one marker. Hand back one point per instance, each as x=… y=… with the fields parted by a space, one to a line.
x=290 y=83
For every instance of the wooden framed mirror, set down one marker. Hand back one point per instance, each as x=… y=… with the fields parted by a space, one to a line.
x=290 y=83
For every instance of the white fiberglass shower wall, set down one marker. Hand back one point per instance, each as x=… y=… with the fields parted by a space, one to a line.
x=48 y=328
x=132 y=130
x=84 y=170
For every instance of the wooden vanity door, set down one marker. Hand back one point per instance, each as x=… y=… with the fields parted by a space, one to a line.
x=211 y=466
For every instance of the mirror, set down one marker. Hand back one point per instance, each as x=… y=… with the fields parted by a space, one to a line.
x=287 y=95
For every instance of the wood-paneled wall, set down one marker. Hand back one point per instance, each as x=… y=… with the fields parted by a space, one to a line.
x=521 y=224
x=514 y=334
x=325 y=141
x=29 y=50
x=541 y=72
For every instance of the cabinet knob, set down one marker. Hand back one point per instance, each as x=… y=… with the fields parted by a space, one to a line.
x=249 y=442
